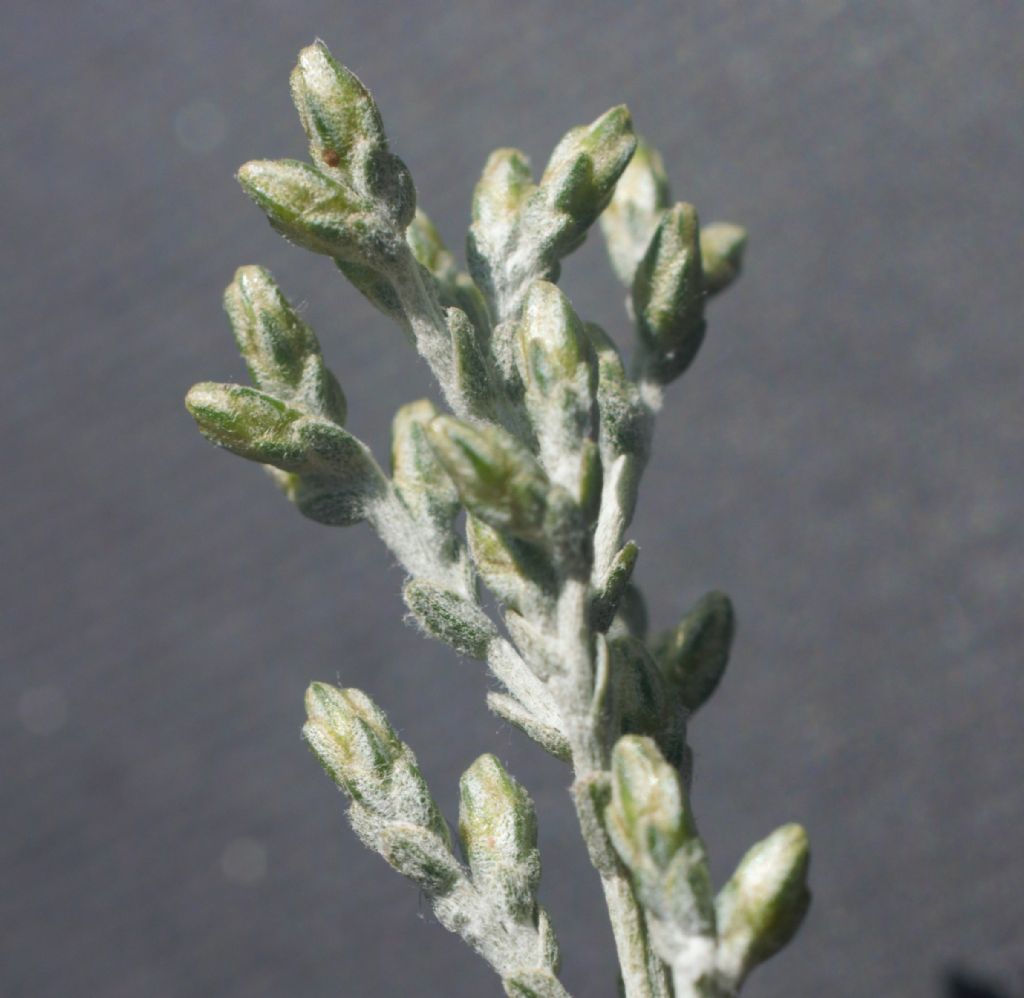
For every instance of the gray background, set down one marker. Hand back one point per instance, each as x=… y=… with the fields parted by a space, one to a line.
x=841 y=460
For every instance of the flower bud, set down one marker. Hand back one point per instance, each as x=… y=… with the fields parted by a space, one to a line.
x=580 y=177
x=558 y=370
x=652 y=829
x=317 y=213
x=499 y=196
x=518 y=574
x=279 y=349
x=629 y=221
x=639 y=700
x=721 y=252
x=349 y=734
x=336 y=110
x=360 y=751
x=761 y=907
x=454 y=288
x=497 y=479
x=693 y=657
x=498 y=827
x=415 y=469
x=346 y=134
x=648 y=818
x=555 y=348
x=248 y=423
x=668 y=293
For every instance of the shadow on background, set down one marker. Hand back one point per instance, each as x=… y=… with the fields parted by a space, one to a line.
x=960 y=982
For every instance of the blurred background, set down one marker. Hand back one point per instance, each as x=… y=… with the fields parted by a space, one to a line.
x=840 y=460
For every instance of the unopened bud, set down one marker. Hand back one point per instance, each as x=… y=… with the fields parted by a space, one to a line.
x=580 y=177
x=629 y=221
x=498 y=827
x=248 y=423
x=721 y=251
x=668 y=293
x=313 y=211
x=694 y=655
x=497 y=479
x=279 y=349
x=762 y=906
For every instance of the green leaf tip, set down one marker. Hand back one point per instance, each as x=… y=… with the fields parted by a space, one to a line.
x=449 y=617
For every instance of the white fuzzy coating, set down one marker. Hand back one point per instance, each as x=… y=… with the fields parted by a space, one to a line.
x=513 y=363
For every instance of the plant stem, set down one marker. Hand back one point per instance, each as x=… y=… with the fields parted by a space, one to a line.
x=590 y=762
x=642 y=977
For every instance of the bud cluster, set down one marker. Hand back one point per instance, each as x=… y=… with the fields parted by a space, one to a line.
x=542 y=450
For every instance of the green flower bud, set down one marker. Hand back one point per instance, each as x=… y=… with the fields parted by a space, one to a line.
x=429 y=249
x=555 y=348
x=417 y=474
x=629 y=221
x=761 y=907
x=336 y=110
x=248 y=423
x=648 y=817
x=454 y=288
x=693 y=657
x=349 y=734
x=279 y=349
x=721 y=251
x=651 y=827
x=580 y=177
x=450 y=617
x=639 y=699
x=497 y=479
x=558 y=371
x=498 y=828
x=668 y=293
x=499 y=195
x=346 y=134
x=317 y=213
x=363 y=755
